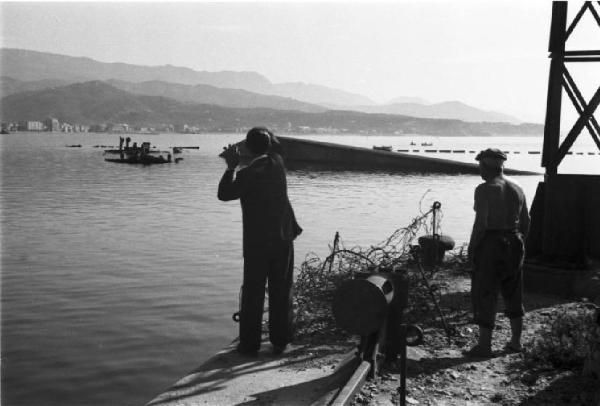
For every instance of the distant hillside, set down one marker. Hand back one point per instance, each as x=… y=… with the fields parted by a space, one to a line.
x=407 y=99
x=445 y=110
x=316 y=94
x=35 y=70
x=10 y=86
x=83 y=103
x=97 y=102
x=206 y=94
x=28 y=65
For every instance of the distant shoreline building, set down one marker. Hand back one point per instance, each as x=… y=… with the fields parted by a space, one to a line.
x=10 y=126
x=52 y=124
x=31 y=126
x=118 y=128
x=66 y=128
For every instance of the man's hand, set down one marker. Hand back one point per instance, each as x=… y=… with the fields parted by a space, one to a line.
x=231 y=154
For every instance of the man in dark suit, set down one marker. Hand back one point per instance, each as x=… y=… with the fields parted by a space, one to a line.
x=269 y=231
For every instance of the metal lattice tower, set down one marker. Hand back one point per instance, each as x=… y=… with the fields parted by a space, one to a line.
x=560 y=78
x=565 y=220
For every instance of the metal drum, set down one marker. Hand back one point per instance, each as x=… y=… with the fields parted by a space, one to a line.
x=360 y=306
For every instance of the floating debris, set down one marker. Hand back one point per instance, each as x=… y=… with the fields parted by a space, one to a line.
x=186 y=147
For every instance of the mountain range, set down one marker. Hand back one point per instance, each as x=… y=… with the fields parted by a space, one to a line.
x=98 y=102
x=28 y=65
x=450 y=110
x=206 y=94
x=10 y=85
x=25 y=70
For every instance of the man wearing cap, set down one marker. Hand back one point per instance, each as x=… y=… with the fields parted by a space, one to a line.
x=269 y=228
x=497 y=251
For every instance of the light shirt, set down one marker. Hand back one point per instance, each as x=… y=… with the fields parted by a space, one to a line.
x=257 y=158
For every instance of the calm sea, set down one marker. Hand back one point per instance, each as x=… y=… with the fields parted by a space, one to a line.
x=117 y=280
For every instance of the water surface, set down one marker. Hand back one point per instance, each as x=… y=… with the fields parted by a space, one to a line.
x=117 y=279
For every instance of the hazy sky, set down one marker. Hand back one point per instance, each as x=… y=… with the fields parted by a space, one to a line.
x=492 y=55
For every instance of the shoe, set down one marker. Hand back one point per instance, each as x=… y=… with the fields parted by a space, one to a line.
x=512 y=349
x=279 y=349
x=478 y=352
x=246 y=351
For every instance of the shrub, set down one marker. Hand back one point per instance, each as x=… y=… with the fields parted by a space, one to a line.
x=568 y=338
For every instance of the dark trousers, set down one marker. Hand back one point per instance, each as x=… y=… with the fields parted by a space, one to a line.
x=274 y=264
x=498 y=268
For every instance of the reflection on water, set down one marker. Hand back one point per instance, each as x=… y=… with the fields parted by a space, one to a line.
x=117 y=279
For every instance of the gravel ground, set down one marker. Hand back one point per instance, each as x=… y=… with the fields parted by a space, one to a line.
x=439 y=374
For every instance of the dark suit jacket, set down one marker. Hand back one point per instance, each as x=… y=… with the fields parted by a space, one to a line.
x=267 y=214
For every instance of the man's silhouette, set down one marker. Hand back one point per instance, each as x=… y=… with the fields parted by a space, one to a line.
x=497 y=251
x=269 y=230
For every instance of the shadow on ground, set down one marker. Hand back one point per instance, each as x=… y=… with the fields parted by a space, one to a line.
x=309 y=392
x=218 y=372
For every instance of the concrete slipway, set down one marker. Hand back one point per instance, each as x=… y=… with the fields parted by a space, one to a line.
x=303 y=375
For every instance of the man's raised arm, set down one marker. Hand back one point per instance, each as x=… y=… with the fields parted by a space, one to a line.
x=230 y=189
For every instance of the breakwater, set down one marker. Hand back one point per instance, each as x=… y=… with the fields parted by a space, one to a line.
x=301 y=152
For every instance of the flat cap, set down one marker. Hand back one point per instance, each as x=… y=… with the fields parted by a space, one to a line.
x=493 y=153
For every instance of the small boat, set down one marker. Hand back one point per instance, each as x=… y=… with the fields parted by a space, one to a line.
x=382 y=147
x=177 y=150
x=413 y=143
x=74 y=146
x=137 y=155
x=426 y=144
x=141 y=159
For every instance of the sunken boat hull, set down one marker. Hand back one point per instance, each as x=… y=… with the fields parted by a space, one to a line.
x=301 y=153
